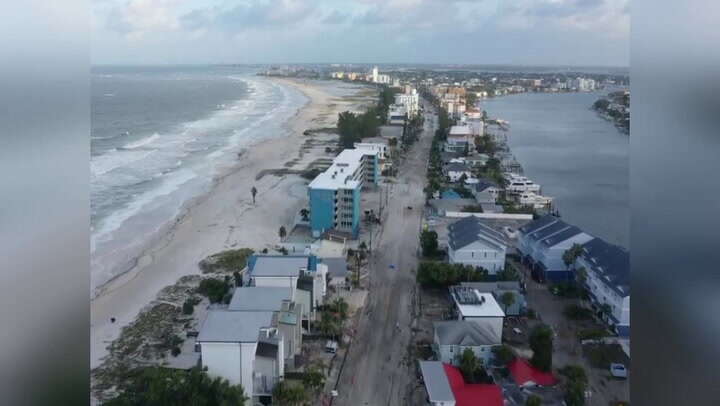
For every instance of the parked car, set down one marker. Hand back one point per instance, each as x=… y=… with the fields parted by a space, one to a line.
x=331 y=346
x=618 y=370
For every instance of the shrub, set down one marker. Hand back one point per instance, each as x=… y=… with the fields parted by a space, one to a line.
x=214 y=289
x=575 y=312
x=503 y=355
x=533 y=400
x=541 y=342
x=230 y=260
x=188 y=307
x=592 y=334
x=175 y=351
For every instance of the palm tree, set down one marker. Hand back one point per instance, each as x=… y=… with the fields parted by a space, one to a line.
x=282 y=232
x=507 y=299
x=304 y=213
x=253 y=191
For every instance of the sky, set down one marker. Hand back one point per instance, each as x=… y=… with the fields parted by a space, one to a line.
x=518 y=32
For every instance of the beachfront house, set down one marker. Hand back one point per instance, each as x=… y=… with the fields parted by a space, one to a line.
x=607 y=279
x=337 y=271
x=542 y=244
x=335 y=193
x=472 y=242
x=287 y=317
x=459 y=139
x=452 y=337
x=245 y=348
x=476 y=307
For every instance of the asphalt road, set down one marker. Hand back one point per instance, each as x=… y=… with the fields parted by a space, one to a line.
x=376 y=369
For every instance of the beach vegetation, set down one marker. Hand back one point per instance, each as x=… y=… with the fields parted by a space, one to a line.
x=311 y=173
x=474 y=208
x=429 y=243
x=226 y=261
x=214 y=289
x=433 y=274
x=289 y=394
x=159 y=386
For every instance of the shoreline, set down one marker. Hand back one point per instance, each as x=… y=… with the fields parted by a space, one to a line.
x=217 y=220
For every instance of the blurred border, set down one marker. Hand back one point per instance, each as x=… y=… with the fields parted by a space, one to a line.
x=675 y=202
x=44 y=207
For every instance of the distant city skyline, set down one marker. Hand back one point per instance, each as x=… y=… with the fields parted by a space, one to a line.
x=572 y=33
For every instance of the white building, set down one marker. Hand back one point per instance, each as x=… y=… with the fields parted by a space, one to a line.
x=459 y=139
x=607 y=268
x=455 y=171
x=284 y=271
x=452 y=337
x=411 y=102
x=436 y=384
x=230 y=347
x=477 y=307
x=375 y=74
x=470 y=242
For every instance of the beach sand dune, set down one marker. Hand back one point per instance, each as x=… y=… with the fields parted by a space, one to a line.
x=226 y=218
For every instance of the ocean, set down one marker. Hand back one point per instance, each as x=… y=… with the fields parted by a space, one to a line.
x=160 y=137
x=577 y=157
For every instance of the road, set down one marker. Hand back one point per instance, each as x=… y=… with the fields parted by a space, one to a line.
x=376 y=369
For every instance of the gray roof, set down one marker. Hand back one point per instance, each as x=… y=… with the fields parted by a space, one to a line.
x=610 y=261
x=254 y=298
x=456 y=167
x=569 y=232
x=549 y=230
x=537 y=224
x=337 y=267
x=233 y=327
x=285 y=265
x=470 y=229
x=465 y=333
x=436 y=381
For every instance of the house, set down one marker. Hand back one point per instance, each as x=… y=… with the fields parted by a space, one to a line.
x=471 y=242
x=459 y=139
x=243 y=347
x=452 y=337
x=486 y=191
x=337 y=271
x=542 y=244
x=481 y=308
x=500 y=288
x=455 y=171
x=525 y=375
x=607 y=270
x=301 y=273
x=446 y=386
x=440 y=207
x=436 y=384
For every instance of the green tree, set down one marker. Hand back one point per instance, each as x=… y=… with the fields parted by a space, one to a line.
x=238 y=278
x=188 y=307
x=541 y=343
x=159 y=386
x=507 y=299
x=533 y=400
x=214 y=289
x=429 y=243
x=314 y=378
x=287 y=394
x=576 y=384
x=503 y=354
x=253 y=191
x=571 y=254
x=472 y=368
x=305 y=214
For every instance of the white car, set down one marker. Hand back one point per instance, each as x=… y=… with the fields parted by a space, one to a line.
x=618 y=370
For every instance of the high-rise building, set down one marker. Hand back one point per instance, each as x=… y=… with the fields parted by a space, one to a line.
x=375 y=75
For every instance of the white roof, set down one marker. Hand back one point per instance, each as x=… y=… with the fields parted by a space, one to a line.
x=436 y=381
x=233 y=327
x=489 y=308
x=460 y=130
x=339 y=174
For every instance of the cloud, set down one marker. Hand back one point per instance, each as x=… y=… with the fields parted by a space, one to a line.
x=136 y=18
x=335 y=17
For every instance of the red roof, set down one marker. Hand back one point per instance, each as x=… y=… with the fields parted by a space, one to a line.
x=472 y=394
x=524 y=373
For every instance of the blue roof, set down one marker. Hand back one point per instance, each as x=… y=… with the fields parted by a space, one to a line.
x=537 y=224
x=563 y=235
x=611 y=262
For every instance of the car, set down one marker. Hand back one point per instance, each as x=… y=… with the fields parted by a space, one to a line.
x=618 y=370
x=409 y=207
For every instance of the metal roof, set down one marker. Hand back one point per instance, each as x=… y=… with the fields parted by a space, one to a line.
x=465 y=333
x=337 y=267
x=254 y=298
x=470 y=229
x=610 y=261
x=436 y=382
x=537 y=224
x=278 y=265
x=233 y=327
x=567 y=233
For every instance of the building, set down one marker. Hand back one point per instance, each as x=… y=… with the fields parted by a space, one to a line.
x=335 y=194
x=459 y=139
x=445 y=386
x=337 y=271
x=452 y=337
x=375 y=74
x=410 y=101
x=397 y=115
x=607 y=270
x=471 y=242
x=486 y=191
x=244 y=348
x=543 y=242
x=454 y=171
x=525 y=375
x=477 y=307
x=498 y=289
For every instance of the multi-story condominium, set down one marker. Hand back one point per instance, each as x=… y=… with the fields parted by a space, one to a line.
x=607 y=270
x=411 y=101
x=335 y=194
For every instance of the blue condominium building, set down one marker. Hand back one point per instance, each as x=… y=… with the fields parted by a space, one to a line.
x=335 y=194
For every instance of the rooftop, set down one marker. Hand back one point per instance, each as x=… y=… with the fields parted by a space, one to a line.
x=554 y=239
x=436 y=382
x=280 y=265
x=610 y=261
x=254 y=298
x=456 y=167
x=460 y=130
x=490 y=287
x=465 y=333
x=525 y=374
x=471 y=229
x=340 y=173
x=538 y=224
x=337 y=267
x=233 y=327
x=472 y=303
x=472 y=394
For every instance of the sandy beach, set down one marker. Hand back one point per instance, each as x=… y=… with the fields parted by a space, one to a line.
x=227 y=218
